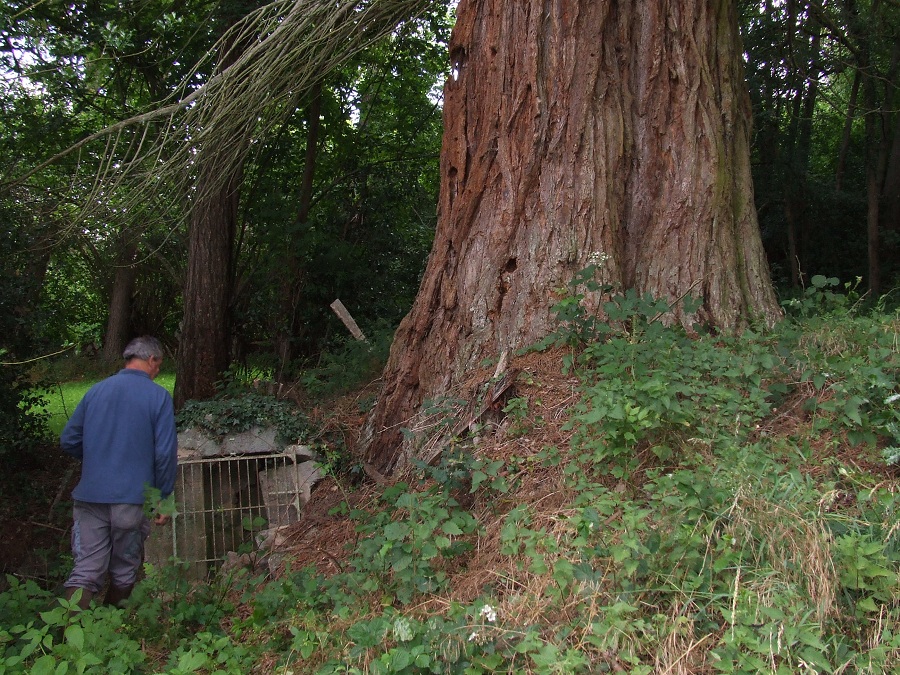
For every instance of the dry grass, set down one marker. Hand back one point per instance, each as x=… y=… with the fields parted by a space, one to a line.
x=795 y=548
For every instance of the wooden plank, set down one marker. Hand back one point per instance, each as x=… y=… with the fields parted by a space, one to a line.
x=345 y=316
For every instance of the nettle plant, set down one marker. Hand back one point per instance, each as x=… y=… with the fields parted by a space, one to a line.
x=402 y=545
x=851 y=364
x=648 y=385
x=892 y=429
x=42 y=636
x=823 y=295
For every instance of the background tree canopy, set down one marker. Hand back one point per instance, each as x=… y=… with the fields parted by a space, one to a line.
x=326 y=177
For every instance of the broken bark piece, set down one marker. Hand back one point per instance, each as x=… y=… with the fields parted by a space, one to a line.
x=497 y=393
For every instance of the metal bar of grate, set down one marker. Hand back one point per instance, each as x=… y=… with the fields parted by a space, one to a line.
x=223 y=501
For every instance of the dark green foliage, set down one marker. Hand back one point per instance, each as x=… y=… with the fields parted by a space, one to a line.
x=39 y=636
x=230 y=414
x=372 y=210
x=815 y=147
x=348 y=364
x=404 y=545
x=659 y=388
x=682 y=520
x=730 y=549
x=20 y=426
x=460 y=471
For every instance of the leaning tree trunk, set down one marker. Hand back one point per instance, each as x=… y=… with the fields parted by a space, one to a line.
x=574 y=128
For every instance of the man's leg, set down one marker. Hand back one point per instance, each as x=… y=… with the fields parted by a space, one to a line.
x=129 y=530
x=91 y=549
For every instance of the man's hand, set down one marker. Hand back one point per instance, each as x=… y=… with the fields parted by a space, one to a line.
x=164 y=509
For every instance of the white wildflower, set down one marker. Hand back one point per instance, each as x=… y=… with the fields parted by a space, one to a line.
x=473 y=636
x=489 y=613
x=598 y=258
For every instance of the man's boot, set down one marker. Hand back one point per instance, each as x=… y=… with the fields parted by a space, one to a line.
x=117 y=596
x=86 y=596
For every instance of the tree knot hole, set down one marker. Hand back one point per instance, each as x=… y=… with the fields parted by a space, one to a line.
x=509 y=268
x=457 y=61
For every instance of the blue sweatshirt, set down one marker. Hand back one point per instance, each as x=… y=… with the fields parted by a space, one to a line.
x=123 y=430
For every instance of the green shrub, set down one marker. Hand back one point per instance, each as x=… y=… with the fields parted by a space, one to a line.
x=37 y=638
x=685 y=531
x=349 y=364
x=404 y=543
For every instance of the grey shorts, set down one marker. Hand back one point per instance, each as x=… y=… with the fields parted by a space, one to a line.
x=107 y=539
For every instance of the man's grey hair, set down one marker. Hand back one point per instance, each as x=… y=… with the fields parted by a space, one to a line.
x=143 y=348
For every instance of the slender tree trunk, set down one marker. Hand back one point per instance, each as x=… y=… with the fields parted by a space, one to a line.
x=793 y=194
x=314 y=125
x=572 y=129
x=876 y=162
x=796 y=187
x=846 y=135
x=205 y=330
x=878 y=111
x=291 y=281
x=891 y=190
x=117 y=327
x=205 y=340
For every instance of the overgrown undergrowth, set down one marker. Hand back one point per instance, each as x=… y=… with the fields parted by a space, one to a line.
x=694 y=504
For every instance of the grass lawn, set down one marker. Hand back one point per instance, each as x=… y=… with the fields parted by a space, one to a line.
x=61 y=400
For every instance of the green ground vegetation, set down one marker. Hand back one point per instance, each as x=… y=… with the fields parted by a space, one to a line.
x=705 y=503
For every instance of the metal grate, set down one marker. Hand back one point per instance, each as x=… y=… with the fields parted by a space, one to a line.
x=223 y=501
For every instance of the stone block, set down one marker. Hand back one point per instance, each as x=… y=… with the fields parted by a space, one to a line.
x=257 y=441
x=195 y=443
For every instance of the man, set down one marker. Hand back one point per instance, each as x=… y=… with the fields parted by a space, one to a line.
x=123 y=430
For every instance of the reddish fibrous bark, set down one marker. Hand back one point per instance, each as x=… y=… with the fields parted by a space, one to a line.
x=205 y=329
x=575 y=128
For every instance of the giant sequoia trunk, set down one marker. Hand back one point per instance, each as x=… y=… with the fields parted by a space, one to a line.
x=573 y=128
